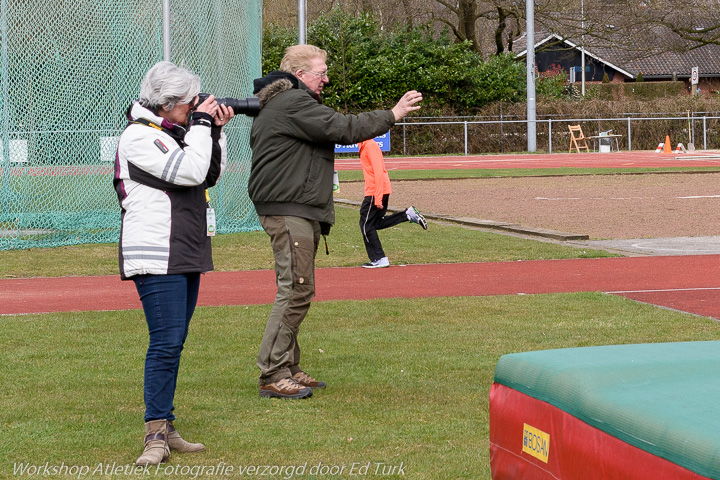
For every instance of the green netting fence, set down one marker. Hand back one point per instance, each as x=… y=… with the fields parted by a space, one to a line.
x=69 y=69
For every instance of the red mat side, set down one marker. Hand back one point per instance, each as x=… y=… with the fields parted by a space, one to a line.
x=576 y=451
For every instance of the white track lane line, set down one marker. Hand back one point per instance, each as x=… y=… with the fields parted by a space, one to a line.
x=667 y=290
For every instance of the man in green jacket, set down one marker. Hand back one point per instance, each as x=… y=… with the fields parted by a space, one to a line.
x=293 y=142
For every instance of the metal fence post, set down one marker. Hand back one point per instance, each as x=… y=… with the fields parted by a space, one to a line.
x=693 y=128
x=629 y=136
x=502 y=132
x=404 y=146
x=549 y=135
x=704 y=132
x=466 y=139
x=4 y=134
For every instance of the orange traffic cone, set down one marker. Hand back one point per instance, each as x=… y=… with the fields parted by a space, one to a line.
x=668 y=147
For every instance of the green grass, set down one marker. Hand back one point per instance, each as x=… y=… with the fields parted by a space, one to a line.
x=406 y=243
x=408 y=381
x=408 y=378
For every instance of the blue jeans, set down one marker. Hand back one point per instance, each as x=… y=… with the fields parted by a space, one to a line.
x=169 y=302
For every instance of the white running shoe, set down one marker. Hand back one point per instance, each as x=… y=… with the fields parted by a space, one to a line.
x=416 y=217
x=382 y=263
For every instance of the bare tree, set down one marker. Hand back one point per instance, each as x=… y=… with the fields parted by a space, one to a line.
x=644 y=27
x=367 y=6
x=693 y=23
x=280 y=12
x=507 y=25
x=491 y=26
x=466 y=14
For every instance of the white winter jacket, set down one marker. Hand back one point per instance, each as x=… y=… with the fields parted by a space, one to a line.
x=161 y=173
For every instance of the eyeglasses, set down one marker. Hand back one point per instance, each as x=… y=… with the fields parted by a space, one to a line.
x=318 y=74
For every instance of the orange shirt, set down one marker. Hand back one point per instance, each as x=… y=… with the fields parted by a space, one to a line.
x=377 y=180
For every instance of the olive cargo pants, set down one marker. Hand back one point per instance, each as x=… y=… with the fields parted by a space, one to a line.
x=294 y=242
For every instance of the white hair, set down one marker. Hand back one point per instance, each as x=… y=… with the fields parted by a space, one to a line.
x=166 y=85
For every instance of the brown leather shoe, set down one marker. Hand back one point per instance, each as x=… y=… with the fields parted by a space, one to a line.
x=285 y=388
x=307 y=381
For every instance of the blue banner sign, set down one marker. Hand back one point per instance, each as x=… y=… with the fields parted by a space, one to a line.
x=383 y=140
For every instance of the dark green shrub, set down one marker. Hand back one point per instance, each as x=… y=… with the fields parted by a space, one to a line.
x=502 y=78
x=371 y=68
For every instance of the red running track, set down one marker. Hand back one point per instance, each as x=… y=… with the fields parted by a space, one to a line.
x=635 y=159
x=684 y=283
x=687 y=283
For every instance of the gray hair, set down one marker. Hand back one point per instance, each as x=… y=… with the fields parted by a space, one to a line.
x=166 y=85
x=300 y=57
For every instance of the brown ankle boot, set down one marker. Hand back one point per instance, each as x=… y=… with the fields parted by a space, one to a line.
x=156 y=445
x=177 y=444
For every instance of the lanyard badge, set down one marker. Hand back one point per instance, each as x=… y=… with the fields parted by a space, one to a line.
x=210 y=217
x=210 y=214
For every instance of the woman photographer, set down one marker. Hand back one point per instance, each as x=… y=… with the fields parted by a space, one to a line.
x=169 y=154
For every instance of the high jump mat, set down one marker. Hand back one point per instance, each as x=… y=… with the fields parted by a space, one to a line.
x=647 y=411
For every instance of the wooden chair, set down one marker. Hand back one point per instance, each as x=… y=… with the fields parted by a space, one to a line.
x=577 y=139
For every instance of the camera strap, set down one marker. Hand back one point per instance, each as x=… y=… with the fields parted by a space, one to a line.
x=178 y=133
x=145 y=121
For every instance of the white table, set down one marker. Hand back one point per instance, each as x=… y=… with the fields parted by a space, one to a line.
x=597 y=138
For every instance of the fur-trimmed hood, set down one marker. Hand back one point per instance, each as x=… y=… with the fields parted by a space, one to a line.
x=272 y=84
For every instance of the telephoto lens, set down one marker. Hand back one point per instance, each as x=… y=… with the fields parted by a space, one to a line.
x=249 y=106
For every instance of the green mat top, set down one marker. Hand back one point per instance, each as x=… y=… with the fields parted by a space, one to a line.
x=662 y=398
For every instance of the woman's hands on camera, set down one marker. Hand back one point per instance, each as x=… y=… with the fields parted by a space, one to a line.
x=221 y=114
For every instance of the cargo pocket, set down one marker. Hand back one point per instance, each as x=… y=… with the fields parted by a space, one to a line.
x=302 y=251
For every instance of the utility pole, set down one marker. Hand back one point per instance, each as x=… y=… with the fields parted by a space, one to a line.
x=302 y=23
x=530 y=61
x=166 y=30
x=582 y=46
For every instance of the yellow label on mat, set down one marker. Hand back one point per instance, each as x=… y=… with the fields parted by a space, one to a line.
x=536 y=442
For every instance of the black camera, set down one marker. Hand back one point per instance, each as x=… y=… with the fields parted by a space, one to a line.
x=249 y=106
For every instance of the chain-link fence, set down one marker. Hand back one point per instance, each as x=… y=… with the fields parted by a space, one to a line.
x=69 y=69
x=473 y=136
